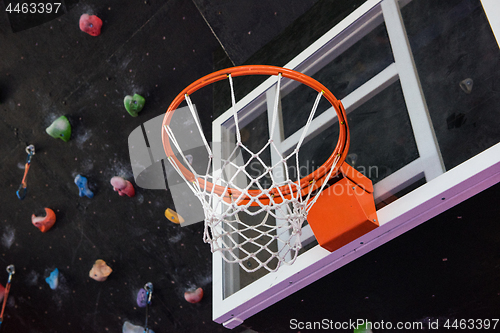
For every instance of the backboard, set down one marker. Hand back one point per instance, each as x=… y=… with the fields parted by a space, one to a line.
x=420 y=93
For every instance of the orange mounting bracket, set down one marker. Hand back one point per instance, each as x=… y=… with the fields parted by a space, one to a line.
x=344 y=211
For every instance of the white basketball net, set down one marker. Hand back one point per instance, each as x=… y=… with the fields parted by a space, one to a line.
x=262 y=236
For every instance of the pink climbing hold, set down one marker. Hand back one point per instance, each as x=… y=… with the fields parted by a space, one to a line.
x=194 y=296
x=44 y=223
x=122 y=186
x=90 y=24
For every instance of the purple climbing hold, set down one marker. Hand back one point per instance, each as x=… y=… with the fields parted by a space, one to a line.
x=142 y=298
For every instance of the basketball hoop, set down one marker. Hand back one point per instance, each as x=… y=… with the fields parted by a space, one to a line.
x=287 y=202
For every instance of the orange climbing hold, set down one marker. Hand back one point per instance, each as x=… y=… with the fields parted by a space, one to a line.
x=100 y=271
x=44 y=223
x=173 y=216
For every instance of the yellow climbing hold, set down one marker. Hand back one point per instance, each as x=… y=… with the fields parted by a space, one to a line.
x=173 y=216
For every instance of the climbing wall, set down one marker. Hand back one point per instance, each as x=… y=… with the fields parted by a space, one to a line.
x=85 y=239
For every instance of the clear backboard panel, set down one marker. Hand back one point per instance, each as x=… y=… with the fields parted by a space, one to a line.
x=420 y=92
x=461 y=79
x=342 y=75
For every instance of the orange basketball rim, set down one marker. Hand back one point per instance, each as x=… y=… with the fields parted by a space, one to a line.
x=309 y=183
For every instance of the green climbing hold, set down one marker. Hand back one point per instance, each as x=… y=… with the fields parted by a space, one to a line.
x=60 y=128
x=134 y=104
x=364 y=328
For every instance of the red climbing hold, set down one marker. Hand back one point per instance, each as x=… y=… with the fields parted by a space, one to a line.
x=90 y=24
x=122 y=186
x=194 y=296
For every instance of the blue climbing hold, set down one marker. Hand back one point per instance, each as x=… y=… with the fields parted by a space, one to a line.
x=83 y=187
x=128 y=327
x=53 y=279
